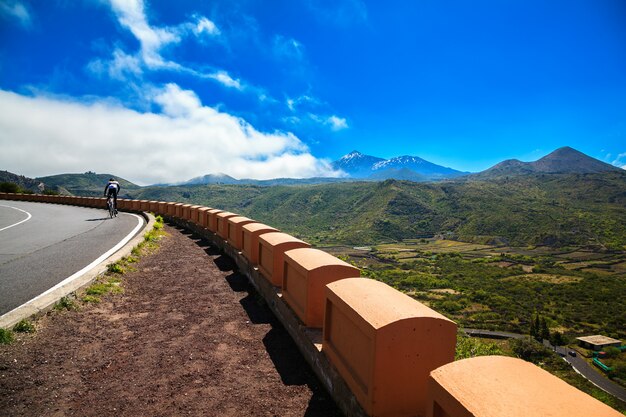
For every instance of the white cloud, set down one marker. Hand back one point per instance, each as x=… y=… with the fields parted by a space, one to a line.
x=131 y=15
x=223 y=78
x=337 y=123
x=119 y=68
x=334 y=122
x=204 y=25
x=16 y=10
x=42 y=136
x=620 y=161
x=288 y=48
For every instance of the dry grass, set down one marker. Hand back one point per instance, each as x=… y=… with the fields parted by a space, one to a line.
x=549 y=278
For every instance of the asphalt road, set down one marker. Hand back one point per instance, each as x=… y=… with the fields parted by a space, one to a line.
x=592 y=374
x=577 y=362
x=43 y=244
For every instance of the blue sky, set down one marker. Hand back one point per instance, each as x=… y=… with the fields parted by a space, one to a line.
x=163 y=91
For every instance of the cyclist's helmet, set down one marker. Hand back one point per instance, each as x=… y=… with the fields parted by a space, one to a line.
x=111 y=179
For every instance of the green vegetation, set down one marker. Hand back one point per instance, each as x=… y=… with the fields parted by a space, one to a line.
x=6 y=336
x=495 y=292
x=554 y=210
x=10 y=187
x=24 y=326
x=469 y=347
x=88 y=184
x=65 y=303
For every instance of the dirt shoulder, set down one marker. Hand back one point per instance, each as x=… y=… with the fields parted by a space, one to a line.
x=189 y=336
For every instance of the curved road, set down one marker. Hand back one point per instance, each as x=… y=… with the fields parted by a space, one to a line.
x=43 y=244
x=579 y=364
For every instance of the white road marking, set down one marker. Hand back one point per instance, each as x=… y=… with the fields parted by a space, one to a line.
x=20 y=222
x=93 y=264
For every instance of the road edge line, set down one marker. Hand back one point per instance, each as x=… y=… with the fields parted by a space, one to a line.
x=74 y=282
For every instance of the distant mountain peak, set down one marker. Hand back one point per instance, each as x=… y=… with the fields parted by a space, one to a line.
x=564 y=160
x=359 y=165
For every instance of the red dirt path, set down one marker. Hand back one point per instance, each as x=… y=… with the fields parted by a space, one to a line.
x=189 y=336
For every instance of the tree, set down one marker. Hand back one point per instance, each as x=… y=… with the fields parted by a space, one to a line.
x=544 y=332
x=9 y=187
x=557 y=339
x=533 y=328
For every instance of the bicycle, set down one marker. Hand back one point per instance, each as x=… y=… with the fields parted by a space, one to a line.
x=111 y=206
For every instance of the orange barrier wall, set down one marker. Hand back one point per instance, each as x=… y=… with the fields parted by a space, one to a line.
x=193 y=213
x=202 y=216
x=385 y=344
x=272 y=248
x=497 y=385
x=305 y=275
x=222 y=223
x=250 y=240
x=212 y=219
x=395 y=354
x=235 y=225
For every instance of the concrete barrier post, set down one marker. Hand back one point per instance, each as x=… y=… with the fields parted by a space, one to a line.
x=178 y=210
x=202 y=216
x=212 y=219
x=161 y=208
x=385 y=344
x=144 y=205
x=193 y=213
x=250 y=240
x=272 y=248
x=497 y=385
x=222 y=223
x=306 y=273
x=234 y=232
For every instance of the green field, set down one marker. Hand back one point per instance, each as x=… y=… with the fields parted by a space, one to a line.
x=502 y=288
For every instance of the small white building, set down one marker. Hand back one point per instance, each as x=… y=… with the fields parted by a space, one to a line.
x=597 y=342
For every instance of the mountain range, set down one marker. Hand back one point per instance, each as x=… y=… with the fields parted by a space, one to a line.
x=414 y=168
x=564 y=160
x=355 y=166
x=362 y=167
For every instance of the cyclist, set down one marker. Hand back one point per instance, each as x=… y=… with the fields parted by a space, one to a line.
x=112 y=188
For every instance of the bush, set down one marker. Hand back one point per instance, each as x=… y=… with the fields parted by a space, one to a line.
x=24 y=326
x=6 y=337
x=65 y=303
x=529 y=350
x=9 y=187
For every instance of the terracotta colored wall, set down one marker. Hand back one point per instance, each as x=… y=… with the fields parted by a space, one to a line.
x=385 y=344
x=212 y=219
x=202 y=216
x=305 y=275
x=272 y=248
x=497 y=385
x=250 y=240
x=222 y=223
x=235 y=225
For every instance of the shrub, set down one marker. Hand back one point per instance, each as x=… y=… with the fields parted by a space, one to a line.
x=6 y=337
x=65 y=303
x=9 y=187
x=115 y=268
x=24 y=326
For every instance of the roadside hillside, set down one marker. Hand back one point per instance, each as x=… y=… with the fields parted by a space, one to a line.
x=88 y=184
x=546 y=209
x=20 y=180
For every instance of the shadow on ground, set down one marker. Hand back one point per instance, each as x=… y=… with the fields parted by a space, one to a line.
x=289 y=363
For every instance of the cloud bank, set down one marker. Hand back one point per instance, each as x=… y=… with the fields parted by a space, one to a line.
x=41 y=136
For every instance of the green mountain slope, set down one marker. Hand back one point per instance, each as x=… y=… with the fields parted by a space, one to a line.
x=87 y=184
x=535 y=209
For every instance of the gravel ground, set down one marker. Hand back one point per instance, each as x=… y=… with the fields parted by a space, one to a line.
x=189 y=336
